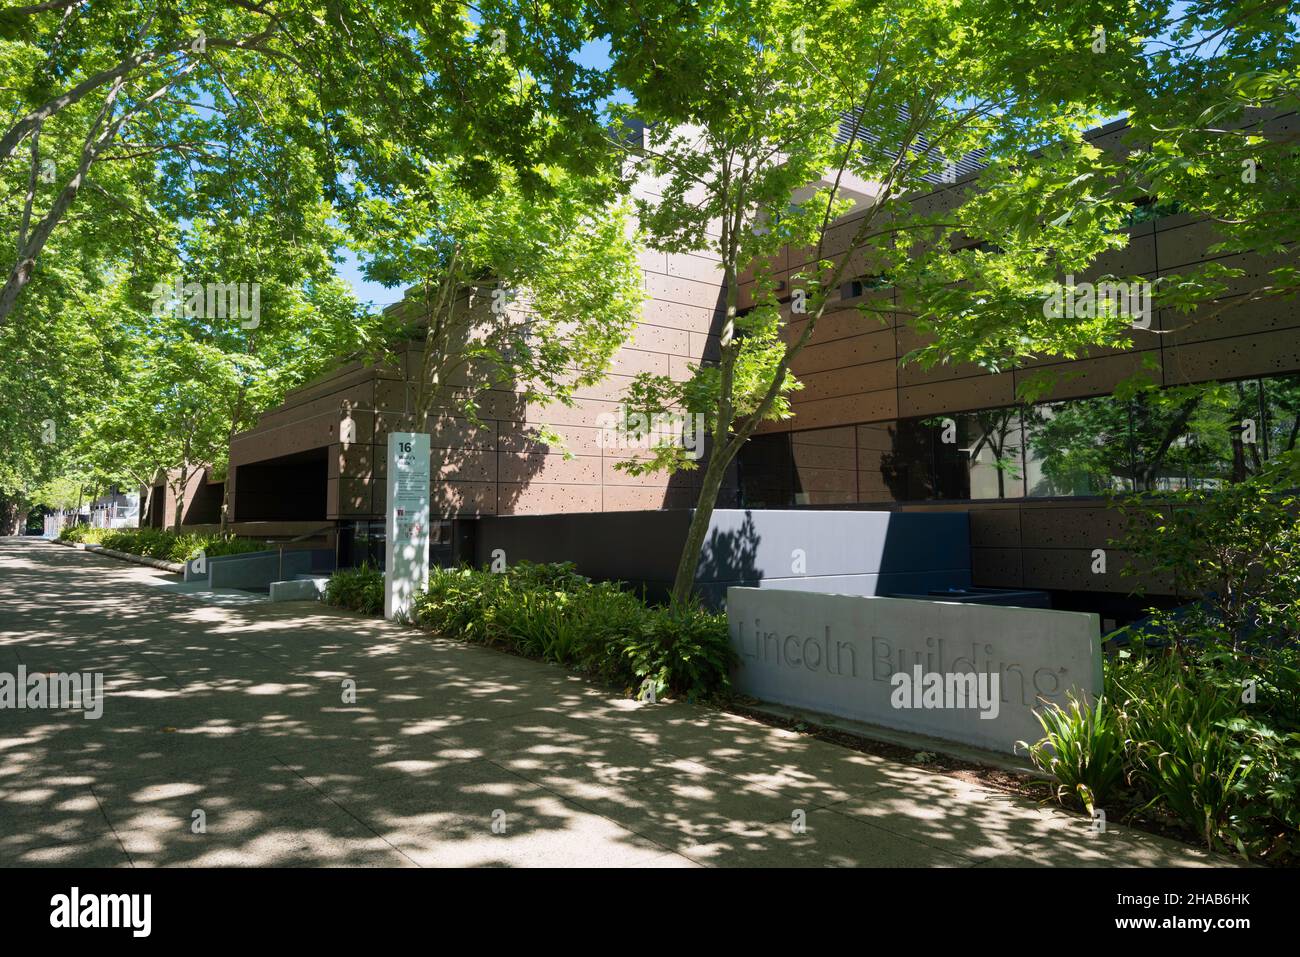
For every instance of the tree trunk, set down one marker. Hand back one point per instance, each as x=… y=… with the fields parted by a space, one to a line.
x=684 y=582
x=225 y=486
x=8 y=516
x=180 y=496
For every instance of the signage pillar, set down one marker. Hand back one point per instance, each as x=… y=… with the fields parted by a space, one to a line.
x=406 y=545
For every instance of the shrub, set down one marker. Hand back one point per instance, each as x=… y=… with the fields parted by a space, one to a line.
x=360 y=589
x=1083 y=748
x=1204 y=737
x=84 y=534
x=168 y=546
x=149 y=542
x=1236 y=547
x=553 y=613
x=1181 y=748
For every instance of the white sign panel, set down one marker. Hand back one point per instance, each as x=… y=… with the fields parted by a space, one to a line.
x=963 y=672
x=406 y=552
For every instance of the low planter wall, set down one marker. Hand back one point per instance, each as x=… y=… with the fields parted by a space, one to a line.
x=173 y=567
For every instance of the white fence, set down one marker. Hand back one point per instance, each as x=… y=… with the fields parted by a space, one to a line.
x=108 y=515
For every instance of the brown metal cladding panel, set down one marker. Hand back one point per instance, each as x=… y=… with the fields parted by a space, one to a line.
x=661 y=339
x=1255 y=270
x=1266 y=353
x=1132 y=575
x=939 y=201
x=986 y=391
x=652 y=260
x=548 y=499
x=868 y=407
x=996 y=568
x=869 y=377
x=332 y=499
x=1112 y=140
x=1137 y=258
x=696 y=318
x=874 y=310
x=457 y=465
x=578 y=440
x=1186 y=244
x=454 y=432
x=841 y=437
x=862 y=262
x=913 y=373
x=386 y=422
x=355 y=461
x=677 y=289
x=1285 y=125
x=778 y=262
x=623 y=498
x=634 y=362
x=1226 y=318
x=696 y=268
x=841 y=324
x=464 y=498
x=704 y=347
x=1070 y=569
x=1091 y=377
x=527 y=468
x=1060 y=526
x=343 y=383
x=355 y=496
x=394 y=395
x=586 y=413
x=836 y=239
x=613 y=476
x=330 y=399
x=995 y=527
x=492 y=404
x=313 y=433
x=1138 y=340
x=771 y=428
x=612 y=388
x=850 y=351
x=745 y=292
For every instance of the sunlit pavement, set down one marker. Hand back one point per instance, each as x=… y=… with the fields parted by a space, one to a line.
x=451 y=755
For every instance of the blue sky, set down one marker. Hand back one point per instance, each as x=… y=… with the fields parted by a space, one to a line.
x=366 y=291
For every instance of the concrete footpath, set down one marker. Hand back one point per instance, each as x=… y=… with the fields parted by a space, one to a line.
x=238 y=716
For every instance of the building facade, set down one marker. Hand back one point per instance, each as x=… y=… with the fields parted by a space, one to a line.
x=868 y=432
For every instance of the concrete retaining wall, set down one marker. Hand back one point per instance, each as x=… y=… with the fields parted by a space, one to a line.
x=841 y=655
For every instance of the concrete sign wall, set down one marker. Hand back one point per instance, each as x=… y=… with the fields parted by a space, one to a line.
x=406 y=550
x=968 y=673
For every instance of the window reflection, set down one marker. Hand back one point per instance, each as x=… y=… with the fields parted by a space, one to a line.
x=1196 y=436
